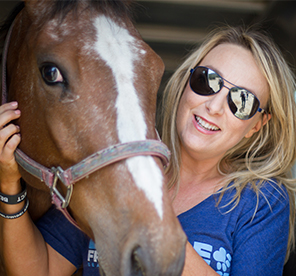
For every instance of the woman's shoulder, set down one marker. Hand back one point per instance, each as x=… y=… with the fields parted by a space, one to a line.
x=268 y=201
x=266 y=192
x=267 y=198
x=261 y=228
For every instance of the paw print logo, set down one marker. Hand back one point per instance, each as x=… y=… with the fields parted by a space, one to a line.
x=223 y=260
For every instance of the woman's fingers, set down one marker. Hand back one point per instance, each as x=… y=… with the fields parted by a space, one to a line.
x=8 y=112
x=9 y=140
x=9 y=173
x=5 y=134
x=11 y=145
x=6 y=106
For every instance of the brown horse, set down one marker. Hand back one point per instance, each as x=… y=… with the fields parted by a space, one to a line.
x=85 y=80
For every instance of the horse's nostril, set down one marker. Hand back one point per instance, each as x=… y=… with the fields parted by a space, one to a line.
x=137 y=266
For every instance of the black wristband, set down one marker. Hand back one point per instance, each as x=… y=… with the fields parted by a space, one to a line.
x=15 y=199
x=18 y=214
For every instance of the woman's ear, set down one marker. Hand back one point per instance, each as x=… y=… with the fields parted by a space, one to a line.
x=266 y=118
x=259 y=124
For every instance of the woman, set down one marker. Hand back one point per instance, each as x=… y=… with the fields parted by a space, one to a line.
x=228 y=116
x=231 y=161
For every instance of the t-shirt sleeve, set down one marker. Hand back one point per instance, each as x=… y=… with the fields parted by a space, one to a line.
x=63 y=237
x=261 y=234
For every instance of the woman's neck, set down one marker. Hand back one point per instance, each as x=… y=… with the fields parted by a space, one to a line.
x=199 y=179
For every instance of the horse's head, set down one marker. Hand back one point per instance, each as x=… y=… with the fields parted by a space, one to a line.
x=85 y=80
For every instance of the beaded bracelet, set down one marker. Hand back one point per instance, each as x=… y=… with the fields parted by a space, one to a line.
x=18 y=214
x=15 y=199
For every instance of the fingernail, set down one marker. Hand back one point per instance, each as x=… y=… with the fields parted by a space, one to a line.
x=14 y=104
x=17 y=112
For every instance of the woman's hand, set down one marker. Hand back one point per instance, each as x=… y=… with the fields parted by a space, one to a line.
x=9 y=140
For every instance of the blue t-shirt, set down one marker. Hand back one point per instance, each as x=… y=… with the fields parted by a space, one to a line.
x=250 y=239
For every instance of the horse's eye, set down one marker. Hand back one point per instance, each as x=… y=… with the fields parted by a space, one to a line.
x=51 y=74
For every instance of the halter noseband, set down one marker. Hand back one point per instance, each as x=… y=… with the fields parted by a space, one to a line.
x=94 y=162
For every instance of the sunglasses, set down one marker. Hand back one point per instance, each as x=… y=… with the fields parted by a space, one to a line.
x=242 y=103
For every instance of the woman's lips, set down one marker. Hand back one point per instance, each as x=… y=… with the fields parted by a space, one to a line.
x=206 y=125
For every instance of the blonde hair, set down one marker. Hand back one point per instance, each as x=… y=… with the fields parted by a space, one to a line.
x=270 y=153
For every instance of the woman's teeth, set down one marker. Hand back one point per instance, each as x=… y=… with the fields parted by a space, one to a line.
x=205 y=125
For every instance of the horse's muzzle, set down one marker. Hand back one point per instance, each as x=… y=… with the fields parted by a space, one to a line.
x=157 y=260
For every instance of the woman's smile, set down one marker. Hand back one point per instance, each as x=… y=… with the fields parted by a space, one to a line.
x=205 y=124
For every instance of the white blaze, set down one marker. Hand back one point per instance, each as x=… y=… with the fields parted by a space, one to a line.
x=119 y=50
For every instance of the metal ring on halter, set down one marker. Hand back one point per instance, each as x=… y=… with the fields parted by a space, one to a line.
x=54 y=191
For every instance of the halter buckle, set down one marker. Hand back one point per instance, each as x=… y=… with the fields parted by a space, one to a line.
x=54 y=191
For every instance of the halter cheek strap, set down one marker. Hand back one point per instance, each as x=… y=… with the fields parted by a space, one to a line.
x=98 y=160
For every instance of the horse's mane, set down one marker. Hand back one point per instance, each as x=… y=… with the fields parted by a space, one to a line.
x=117 y=8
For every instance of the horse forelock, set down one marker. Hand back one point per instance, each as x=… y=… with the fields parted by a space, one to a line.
x=47 y=10
x=118 y=7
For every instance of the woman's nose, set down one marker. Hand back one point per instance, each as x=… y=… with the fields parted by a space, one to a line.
x=217 y=103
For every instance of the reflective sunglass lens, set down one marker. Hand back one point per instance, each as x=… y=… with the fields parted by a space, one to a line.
x=215 y=81
x=204 y=81
x=242 y=103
